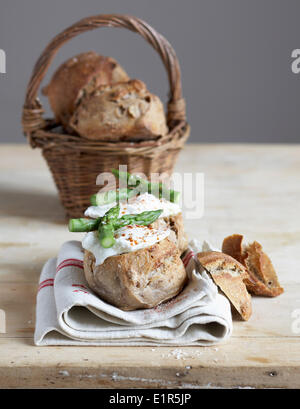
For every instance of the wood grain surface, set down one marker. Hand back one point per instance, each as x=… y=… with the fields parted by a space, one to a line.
x=249 y=189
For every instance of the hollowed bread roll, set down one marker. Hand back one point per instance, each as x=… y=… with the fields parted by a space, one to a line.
x=138 y=279
x=175 y=224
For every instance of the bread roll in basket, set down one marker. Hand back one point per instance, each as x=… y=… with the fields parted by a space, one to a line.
x=124 y=111
x=75 y=160
x=75 y=77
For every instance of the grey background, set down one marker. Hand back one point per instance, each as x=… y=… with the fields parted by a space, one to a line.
x=235 y=57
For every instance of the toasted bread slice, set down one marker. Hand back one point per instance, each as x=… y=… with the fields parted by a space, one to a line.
x=262 y=278
x=229 y=275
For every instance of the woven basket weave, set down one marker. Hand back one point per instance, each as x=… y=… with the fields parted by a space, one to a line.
x=75 y=161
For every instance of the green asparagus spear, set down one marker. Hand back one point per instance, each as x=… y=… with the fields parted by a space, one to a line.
x=110 y=222
x=111 y=196
x=86 y=225
x=132 y=181
x=106 y=231
x=141 y=219
x=158 y=188
x=111 y=215
x=83 y=225
x=106 y=235
x=106 y=227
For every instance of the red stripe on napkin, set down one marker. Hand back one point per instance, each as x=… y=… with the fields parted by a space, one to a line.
x=69 y=265
x=187 y=258
x=79 y=285
x=80 y=291
x=46 y=285
x=187 y=255
x=70 y=261
x=50 y=280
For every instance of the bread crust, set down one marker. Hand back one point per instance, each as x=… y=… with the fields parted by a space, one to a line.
x=232 y=245
x=124 y=111
x=262 y=278
x=175 y=224
x=79 y=75
x=139 y=279
x=228 y=274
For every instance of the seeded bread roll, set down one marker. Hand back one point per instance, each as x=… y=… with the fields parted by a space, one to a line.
x=125 y=111
x=229 y=275
x=79 y=75
x=139 y=279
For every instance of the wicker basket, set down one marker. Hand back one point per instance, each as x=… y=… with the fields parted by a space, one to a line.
x=74 y=161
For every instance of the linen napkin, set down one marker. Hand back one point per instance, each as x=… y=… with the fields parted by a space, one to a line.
x=68 y=312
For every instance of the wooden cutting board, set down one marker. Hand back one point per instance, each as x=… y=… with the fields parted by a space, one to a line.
x=249 y=189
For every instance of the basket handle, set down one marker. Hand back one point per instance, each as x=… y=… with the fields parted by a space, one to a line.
x=33 y=120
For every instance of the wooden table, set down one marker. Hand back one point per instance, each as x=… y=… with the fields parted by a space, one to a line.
x=249 y=189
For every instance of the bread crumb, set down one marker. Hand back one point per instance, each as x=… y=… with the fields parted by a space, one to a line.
x=64 y=373
x=178 y=354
